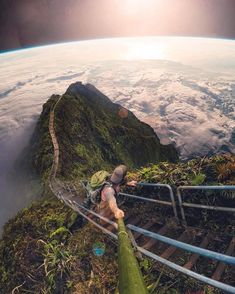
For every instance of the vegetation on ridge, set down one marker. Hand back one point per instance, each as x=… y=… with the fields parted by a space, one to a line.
x=93 y=135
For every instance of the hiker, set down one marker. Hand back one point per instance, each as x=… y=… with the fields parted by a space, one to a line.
x=108 y=204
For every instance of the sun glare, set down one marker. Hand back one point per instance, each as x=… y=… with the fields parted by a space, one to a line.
x=147 y=51
x=133 y=6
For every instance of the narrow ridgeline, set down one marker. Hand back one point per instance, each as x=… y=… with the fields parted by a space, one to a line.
x=94 y=133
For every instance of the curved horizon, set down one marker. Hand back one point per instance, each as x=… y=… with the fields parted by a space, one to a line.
x=113 y=38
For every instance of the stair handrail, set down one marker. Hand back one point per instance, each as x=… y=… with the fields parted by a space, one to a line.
x=185 y=246
x=209 y=207
x=225 y=287
x=170 y=203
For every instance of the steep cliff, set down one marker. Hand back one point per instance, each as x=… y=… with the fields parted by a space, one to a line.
x=94 y=133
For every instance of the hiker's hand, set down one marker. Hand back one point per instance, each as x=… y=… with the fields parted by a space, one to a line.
x=119 y=213
x=132 y=183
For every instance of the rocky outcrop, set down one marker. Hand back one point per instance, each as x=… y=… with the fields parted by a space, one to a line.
x=94 y=133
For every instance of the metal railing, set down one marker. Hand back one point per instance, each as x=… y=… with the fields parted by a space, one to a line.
x=204 y=252
x=78 y=207
x=209 y=207
x=185 y=246
x=209 y=281
x=169 y=203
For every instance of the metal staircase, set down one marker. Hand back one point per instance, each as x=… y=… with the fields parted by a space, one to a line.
x=152 y=241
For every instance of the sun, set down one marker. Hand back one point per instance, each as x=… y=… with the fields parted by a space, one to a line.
x=146 y=51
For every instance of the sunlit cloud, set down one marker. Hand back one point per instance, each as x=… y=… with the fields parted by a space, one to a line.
x=146 y=51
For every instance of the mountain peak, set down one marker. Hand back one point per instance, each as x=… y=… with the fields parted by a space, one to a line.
x=86 y=90
x=93 y=134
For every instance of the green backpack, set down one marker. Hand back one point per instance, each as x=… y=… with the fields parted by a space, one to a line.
x=98 y=179
x=95 y=186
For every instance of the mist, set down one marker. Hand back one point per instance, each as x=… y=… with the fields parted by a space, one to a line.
x=17 y=188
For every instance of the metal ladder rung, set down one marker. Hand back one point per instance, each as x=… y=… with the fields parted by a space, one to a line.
x=152 y=242
x=193 y=259
x=221 y=267
x=147 y=226
x=184 y=237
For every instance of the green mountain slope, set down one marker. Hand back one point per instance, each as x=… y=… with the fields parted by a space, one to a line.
x=94 y=133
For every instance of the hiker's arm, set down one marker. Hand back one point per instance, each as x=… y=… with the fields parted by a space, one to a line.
x=118 y=213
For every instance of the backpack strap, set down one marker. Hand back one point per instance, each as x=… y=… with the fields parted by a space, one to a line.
x=108 y=184
x=95 y=196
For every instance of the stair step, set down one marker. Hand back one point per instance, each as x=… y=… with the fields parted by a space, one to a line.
x=147 y=226
x=133 y=220
x=184 y=237
x=152 y=242
x=194 y=257
x=90 y=215
x=106 y=225
x=221 y=267
x=127 y=216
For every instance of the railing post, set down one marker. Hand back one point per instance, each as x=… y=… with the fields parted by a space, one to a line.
x=173 y=204
x=130 y=277
x=181 y=206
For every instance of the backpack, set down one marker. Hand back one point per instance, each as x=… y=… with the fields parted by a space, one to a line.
x=95 y=185
x=98 y=179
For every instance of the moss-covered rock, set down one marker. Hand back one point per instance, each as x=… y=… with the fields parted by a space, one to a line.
x=20 y=249
x=93 y=134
